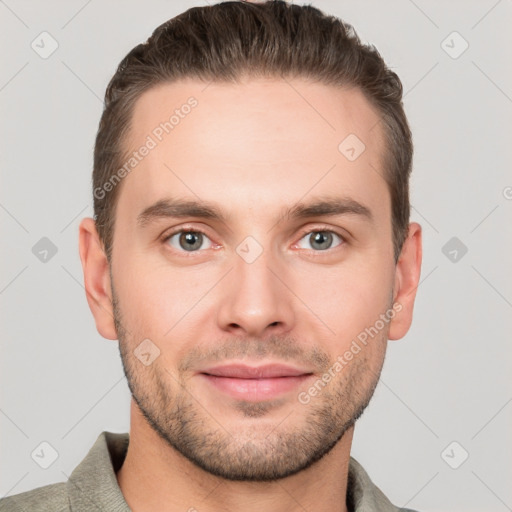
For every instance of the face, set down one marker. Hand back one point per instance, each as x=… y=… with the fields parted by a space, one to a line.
x=253 y=303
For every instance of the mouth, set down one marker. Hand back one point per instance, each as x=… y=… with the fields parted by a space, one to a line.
x=255 y=383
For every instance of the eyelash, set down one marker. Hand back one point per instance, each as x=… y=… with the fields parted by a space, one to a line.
x=320 y=229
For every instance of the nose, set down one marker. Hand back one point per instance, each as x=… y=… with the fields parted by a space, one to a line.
x=255 y=299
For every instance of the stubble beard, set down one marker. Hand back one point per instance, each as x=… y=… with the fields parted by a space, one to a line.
x=262 y=450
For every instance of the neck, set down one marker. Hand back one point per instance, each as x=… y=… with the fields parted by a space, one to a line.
x=155 y=477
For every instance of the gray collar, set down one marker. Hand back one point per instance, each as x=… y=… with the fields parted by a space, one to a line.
x=93 y=484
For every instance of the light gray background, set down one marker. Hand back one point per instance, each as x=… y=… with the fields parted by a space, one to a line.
x=447 y=380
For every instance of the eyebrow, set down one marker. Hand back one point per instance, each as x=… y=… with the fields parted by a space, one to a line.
x=181 y=208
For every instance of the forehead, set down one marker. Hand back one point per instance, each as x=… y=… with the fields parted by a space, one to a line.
x=254 y=146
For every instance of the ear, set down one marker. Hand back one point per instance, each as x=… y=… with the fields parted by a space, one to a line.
x=96 y=278
x=407 y=276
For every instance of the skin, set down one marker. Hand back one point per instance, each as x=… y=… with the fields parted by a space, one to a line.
x=252 y=148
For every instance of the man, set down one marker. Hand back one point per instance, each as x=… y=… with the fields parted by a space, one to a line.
x=252 y=253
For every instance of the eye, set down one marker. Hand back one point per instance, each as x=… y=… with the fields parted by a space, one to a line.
x=319 y=240
x=188 y=240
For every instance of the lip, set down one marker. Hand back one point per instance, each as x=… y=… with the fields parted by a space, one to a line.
x=255 y=383
x=242 y=371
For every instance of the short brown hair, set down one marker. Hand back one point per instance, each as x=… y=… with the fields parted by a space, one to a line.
x=229 y=40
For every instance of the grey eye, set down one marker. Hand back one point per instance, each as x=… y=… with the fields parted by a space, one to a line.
x=189 y=240
x=319 y=240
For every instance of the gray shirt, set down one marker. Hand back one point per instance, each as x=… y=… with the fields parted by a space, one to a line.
x=92 y=486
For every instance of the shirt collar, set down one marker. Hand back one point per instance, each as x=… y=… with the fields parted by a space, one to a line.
x=363 y=495
x=92 y=486
x=93 y=483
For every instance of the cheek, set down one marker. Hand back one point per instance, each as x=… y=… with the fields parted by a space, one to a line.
x=347 y=300
x=157 y=299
